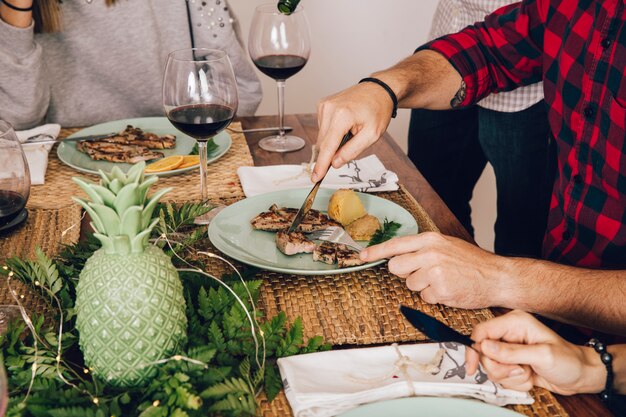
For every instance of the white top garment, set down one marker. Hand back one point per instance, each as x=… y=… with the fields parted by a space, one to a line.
x=454 y=15
x=107 y=63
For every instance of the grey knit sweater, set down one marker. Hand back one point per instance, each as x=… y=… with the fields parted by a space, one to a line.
x=107 y=62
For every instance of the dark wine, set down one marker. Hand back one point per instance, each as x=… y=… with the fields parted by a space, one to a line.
x=287 y=6
x=201 y=121
x=280 y=67
x=11 y=204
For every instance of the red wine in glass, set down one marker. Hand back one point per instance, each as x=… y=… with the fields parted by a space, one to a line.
x=279 y=46
x=280 y=67
x=201 y=121
x=11 y=204
x=200 y=99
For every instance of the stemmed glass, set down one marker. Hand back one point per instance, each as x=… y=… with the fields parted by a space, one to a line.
x=200 y=98
x=279 y=46
x=14 y=179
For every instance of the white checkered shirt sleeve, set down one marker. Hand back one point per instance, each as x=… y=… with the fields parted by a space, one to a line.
x=452 y=16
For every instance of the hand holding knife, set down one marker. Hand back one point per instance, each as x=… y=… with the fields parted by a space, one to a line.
x=308 y=201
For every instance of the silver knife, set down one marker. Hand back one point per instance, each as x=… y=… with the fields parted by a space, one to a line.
x=47 y=139
x=433 y=328
x=308 y=201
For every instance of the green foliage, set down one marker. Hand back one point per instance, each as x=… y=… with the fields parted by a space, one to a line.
x=386 y=232
x=219 y=335
x=177 y=223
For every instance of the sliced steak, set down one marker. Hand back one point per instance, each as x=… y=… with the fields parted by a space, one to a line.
x=280 y=218
x=347 y=256
x=269 y=221
x=293 y=243
x=115 y=152
x=325 y=252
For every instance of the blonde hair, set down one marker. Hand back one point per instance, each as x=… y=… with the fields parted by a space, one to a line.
x=47 y=15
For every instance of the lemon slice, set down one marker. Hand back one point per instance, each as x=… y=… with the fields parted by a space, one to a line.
x=189 y=161
x=166 y=164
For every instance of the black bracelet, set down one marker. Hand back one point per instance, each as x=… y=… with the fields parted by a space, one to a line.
x=607 y=360
x=19 y=9
x=389 y=91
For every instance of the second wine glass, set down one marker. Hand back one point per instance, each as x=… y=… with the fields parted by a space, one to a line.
x=279 y=46
x=200 y=98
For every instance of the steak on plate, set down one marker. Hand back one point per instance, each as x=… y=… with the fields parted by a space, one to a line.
x=347 y=256
x=280 y=218
x=325 y=252
x=293 y=243
x=130 y=145
x=115 y=152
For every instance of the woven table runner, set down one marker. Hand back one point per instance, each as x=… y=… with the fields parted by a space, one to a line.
x=358 y=308
x=361 y=308
x=52 y=213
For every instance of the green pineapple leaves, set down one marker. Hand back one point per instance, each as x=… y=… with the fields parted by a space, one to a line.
x=120 y=210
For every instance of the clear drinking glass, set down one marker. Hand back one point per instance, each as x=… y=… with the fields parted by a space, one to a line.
x=200 y=98
x=279 y=46
x=14 y=179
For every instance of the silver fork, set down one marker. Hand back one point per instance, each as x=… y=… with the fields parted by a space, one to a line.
x=335 y=234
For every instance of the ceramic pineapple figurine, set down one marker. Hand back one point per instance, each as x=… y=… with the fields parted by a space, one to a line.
x=129 y=302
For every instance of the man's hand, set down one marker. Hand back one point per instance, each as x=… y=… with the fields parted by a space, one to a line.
x=444 y=269
x=364 y=109
x=519 y=352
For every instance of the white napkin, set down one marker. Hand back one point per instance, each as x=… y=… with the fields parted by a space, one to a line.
x=329 y=383
x=367 y=174
x=37 y=153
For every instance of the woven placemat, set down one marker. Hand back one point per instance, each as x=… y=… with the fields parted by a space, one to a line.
x=222 y=178
x=356 y=307
x=361 y=308
x=52 y=211
x=47 y=229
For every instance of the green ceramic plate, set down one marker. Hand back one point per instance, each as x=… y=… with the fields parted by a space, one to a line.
x=160 y=125
x=430 y=407
x=231 y=232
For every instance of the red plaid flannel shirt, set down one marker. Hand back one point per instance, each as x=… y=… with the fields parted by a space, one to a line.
x=578 y=49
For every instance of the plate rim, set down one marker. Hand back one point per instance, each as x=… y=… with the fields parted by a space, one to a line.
x=63 y=145
x=418 y=399
x=212 y=232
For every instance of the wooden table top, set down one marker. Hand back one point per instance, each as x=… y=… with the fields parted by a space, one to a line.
x=305 y=126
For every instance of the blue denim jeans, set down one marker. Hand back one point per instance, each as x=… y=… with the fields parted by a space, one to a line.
x=451 y=149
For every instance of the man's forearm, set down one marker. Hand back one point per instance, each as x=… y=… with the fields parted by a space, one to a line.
x=586 y=297
x=424 y=80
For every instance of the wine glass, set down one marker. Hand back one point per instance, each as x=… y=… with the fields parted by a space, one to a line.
x=200 y=98
x=279 y=46
x=14 y=179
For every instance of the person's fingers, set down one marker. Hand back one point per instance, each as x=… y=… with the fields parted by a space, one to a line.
x=516 y=326
x=328 y=141
x=353 y=148
x=417 y=282
x=539 y=356
x=498 y=371
x=520 y=378
x=472 y=360
x=401 y=245
x=404 y=265
x=428 y=295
